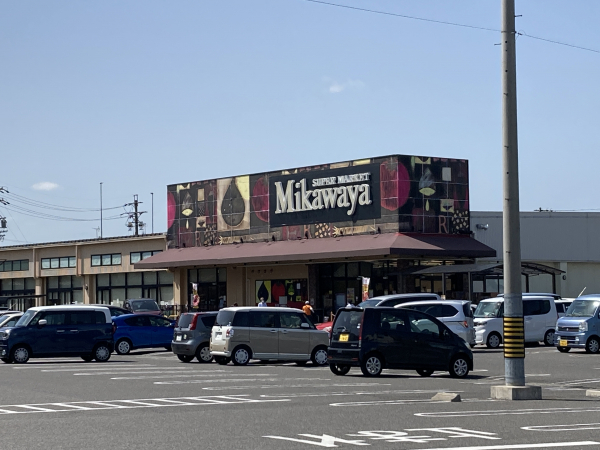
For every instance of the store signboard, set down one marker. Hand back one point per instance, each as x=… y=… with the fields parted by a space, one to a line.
x=334 y=195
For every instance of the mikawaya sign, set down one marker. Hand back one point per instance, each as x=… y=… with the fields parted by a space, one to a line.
x=336 y=195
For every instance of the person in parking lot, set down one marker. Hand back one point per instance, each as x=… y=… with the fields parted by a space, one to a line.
x=308 y=310
x=262 y=302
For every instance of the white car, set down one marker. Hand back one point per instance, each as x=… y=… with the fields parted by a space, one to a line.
x=539 y=316
x=456 y=315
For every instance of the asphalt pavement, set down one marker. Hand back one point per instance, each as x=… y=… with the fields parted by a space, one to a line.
x=151 y=400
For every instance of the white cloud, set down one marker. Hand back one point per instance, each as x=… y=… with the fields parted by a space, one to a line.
x=336 y=88
x=45 y=186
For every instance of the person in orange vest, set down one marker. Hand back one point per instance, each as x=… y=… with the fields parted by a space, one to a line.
x=307 y=308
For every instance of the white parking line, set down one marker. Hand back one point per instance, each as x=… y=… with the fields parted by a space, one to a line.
x=292 y=386
x=241 y=379
x=173 y=371
x=561 y=428
x=31 y=365
x=519 y=446
x=330 y=394
x=507 y=412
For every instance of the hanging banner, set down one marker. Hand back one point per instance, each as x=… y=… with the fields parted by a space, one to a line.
x=365 y=288
x=195 y=298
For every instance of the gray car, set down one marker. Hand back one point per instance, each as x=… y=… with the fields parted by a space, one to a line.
x=191 y=338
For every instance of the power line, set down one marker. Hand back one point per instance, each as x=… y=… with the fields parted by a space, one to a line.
x=15 y=198
x=443 y=22
x=385 y=13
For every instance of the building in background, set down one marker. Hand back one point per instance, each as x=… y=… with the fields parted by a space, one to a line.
x=85 y=271
x=313 y=233
x=565 y=244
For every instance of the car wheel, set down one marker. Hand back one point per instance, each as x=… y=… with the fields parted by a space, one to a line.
x=123 y=346
x=185 y=358
x=101 y=353
x=493 y=340
x=203 y=354
x=564 y=349
x=222 y=360
x=459 y=367
x=549 y=338
x=319 y=356
x=20 y=355
x=425 y=372
x=241 y=356
x=339 y=369
x=372 y=366
x=87 y=358
x=592 y=345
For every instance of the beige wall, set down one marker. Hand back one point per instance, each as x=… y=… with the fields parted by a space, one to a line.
x=83 y=251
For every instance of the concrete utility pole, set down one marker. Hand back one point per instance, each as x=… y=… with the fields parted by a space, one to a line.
x=100 y=210
x=514 y=336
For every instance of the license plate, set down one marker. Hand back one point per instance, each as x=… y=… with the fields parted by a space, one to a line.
x=563 y=343
x=178 y=338
x=344 y=337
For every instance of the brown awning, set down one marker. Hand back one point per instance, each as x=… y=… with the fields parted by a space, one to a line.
x=305 y=250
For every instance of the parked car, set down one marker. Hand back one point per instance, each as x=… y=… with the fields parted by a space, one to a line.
x=562 y=305
x=142 y=306
x=9 y=320
x=455 y=314
x=135 y=331
x=243 y=333
x=4 y=312
x=115 y=311
x=395 y=338
x=396 y=299
x=539 y=316
x=64 y=330
x=580 y=326
x=192 y=337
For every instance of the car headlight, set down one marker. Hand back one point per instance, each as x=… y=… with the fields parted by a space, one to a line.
x=583 y=326
x=479 y=323
x=5 y=334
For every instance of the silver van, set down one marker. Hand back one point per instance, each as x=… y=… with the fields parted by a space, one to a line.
x=244 y=333
x=396 y=299
x=455 y=314
x=580 y=326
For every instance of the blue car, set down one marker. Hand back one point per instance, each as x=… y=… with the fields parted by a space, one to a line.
x=142 y=331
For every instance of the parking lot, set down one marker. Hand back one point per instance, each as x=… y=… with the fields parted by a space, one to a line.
x=151 y=399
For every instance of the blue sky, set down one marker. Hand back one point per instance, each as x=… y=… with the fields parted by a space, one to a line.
x=141 y=94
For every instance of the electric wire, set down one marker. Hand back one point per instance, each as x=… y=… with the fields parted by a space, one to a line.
x=443 y=22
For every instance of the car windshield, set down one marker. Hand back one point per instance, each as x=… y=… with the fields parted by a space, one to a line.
x=144 y=305
x=582 y=308
x=487 y=309
x=25 y=319
x=224 y=318
x=369 y=303
x=348 y=322
x=185 y=320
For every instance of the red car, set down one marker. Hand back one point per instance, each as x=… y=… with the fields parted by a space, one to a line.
x=326 y=326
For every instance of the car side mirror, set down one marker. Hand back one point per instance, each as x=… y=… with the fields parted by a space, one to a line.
x=445 y=334
x=304 y=325
x=42 y=322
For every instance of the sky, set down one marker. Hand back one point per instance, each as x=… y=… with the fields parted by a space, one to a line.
x=140 y=94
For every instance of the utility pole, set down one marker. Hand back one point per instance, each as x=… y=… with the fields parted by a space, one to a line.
x=3 y=223
x=135 y=216
x=152 y=194
x=100 y=210
x=514 y=331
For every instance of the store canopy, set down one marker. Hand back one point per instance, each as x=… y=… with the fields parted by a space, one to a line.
x=527 y=268
x=308 y=250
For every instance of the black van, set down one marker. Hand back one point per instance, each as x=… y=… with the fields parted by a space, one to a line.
x=393 y=338
x=65 y=330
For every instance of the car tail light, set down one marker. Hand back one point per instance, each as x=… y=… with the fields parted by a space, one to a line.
x=194 y=322
x=465 y=324
x=229 y=333
x=114 y=328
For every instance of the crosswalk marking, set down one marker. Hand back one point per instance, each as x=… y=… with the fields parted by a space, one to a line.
x=133 y=404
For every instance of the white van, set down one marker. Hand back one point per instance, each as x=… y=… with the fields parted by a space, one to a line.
x=456 y=315
x=539 y=314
